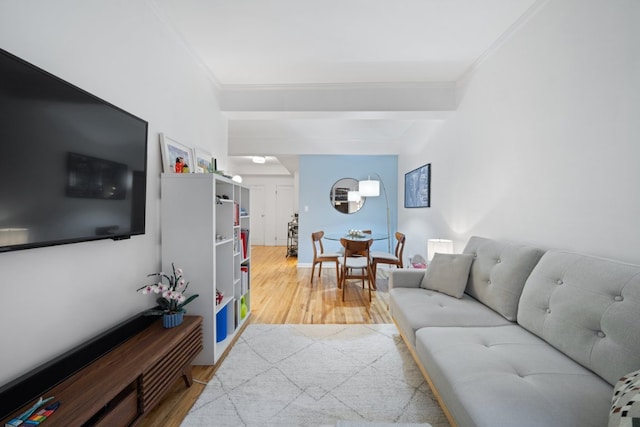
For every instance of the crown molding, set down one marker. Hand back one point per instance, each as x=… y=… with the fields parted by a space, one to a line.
x=517 y=25
x=166 y=23
x=337 y=86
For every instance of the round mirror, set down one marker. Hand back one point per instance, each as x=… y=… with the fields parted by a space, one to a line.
x=345 y=197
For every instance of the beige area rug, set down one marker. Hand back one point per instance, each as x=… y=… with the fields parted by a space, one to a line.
x=313 y=375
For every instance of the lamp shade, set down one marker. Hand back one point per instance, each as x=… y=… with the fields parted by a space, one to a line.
x=369 y=188
x=442 y=246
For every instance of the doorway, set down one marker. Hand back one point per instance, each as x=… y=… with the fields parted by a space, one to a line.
x=257 y=214
x=284 y=213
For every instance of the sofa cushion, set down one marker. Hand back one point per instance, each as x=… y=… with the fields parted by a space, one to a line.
x=506 y=376
x=588 y=308
x=498 y=273
x=448 y=273
x=415 y=308
x=625 y=404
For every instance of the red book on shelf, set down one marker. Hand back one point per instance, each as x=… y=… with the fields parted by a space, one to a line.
x=244 y=233
x=244 y=245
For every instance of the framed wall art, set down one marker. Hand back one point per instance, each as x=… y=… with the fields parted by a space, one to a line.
x=417 y=187
x=203 y=161
x=176 y=157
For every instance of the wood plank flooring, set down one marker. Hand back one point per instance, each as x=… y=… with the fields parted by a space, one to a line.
x=281 y=293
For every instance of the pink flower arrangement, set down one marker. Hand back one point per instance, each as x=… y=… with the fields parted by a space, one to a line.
x=172 y=298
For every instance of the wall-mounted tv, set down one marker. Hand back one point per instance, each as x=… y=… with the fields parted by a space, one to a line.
x=73 y=167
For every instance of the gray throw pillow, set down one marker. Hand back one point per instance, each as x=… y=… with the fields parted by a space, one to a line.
x=448 y=273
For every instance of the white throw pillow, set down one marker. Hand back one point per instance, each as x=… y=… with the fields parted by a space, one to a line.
x=448 y=273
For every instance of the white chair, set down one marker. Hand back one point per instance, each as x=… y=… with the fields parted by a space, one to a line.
x=355 y=263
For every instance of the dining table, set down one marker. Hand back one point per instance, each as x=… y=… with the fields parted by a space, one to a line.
x=359 y=237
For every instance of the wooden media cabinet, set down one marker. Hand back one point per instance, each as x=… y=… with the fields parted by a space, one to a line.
x=121 y=386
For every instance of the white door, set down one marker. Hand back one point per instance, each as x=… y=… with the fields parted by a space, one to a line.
x=284 y=212
x=257 y=214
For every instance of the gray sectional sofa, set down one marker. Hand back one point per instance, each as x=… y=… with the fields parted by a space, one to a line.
x=523 y=337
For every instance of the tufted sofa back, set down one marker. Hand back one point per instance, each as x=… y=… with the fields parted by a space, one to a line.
x=499 y=272
x=588 y=308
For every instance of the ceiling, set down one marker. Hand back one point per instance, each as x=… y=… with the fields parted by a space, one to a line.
x=274 y=44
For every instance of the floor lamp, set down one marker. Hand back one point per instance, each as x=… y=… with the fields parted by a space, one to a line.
x=371 y=188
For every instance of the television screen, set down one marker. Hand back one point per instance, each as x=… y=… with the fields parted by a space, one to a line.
x=73 y=166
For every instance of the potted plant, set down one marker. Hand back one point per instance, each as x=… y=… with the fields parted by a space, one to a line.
x=172 y=297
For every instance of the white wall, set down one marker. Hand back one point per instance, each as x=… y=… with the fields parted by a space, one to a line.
x=544 y=146
x=421 y=224
x=318 y=174
x=272 y=223
x=54 y=298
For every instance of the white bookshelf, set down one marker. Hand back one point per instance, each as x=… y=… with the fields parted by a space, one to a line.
x=200 y=234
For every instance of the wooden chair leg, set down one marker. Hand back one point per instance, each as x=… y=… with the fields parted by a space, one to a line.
x=344 y=282
x=375 y=272
x=369 y=283
x=313 y=268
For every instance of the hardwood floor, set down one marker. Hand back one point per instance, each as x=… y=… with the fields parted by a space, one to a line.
x=281 y=293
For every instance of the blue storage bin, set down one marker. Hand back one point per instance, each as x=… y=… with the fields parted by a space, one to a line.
x=221 y=324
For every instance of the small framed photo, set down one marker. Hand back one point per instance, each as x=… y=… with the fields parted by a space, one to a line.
x=176 y=157
x=203 y=161
x=417 y=187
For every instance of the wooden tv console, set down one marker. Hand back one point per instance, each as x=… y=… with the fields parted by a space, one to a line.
x=121 y=386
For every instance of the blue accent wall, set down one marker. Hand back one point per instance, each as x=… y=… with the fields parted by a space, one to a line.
x=317 y=176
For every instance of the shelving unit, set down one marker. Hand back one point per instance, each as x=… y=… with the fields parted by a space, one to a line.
x=292 y=238
x=205 y=231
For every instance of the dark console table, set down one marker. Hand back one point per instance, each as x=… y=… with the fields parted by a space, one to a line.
x=120 y=387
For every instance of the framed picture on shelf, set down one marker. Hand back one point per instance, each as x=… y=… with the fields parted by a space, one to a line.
x=176 y=157
x=203 y=161
x=417 y=187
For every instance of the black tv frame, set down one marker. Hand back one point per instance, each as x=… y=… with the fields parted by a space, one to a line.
x=139 y=191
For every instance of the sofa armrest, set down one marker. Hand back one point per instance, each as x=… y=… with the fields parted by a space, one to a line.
x=409 y=278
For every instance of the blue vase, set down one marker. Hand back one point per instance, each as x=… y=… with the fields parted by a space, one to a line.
x=171 y=320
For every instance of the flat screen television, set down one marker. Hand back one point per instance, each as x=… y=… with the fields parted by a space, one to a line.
x=73 y=167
